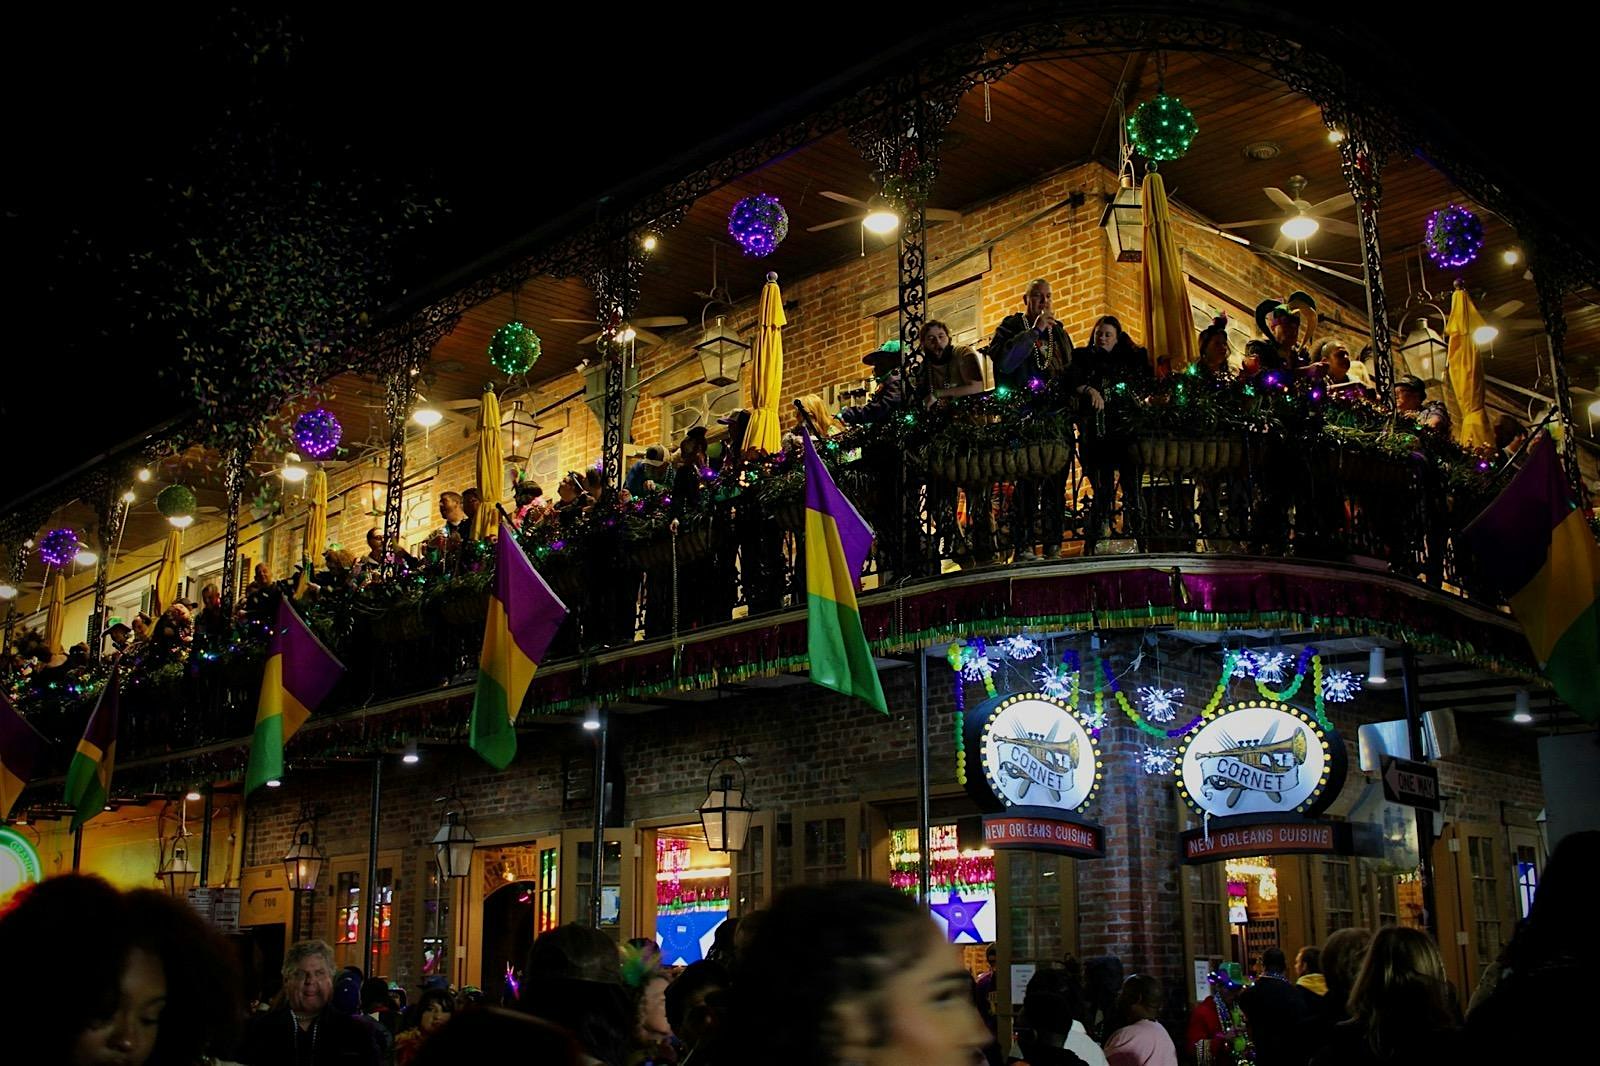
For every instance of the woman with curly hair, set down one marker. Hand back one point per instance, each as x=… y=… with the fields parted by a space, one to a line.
x=123 y=978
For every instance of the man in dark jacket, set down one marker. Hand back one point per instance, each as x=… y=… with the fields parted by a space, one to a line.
x=1276 y=1011
x=306 y=1030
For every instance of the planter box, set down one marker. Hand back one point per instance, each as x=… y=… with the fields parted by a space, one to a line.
x=1177 y=456
x=1026 y=462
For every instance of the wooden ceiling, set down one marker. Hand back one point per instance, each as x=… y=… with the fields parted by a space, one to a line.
x=1043 y=116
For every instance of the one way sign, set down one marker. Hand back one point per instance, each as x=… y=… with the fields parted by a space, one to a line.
x=1415 y=784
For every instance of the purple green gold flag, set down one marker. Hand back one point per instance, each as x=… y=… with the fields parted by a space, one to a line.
x=300 y=673
x=524 y=616
x=20 y=749
x=89 y=775
x=837 y=542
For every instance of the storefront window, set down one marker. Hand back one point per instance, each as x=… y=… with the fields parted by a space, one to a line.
x=610 y=884
x=1206 y=903
x=549 y=911
x=1036 y=914
x=1252 y=908
x=1527 y=878
x=961 y=882
x=382 y=922
x=1338 y=901
x=433 y=924
x=692 y=884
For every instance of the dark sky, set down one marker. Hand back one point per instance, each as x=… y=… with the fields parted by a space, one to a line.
x=510 y=116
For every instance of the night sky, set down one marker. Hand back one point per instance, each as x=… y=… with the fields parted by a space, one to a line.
x=506 y=116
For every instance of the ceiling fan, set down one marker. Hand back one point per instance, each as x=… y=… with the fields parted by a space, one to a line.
x=639 y=328
x=876 y=214
x=1301 y=219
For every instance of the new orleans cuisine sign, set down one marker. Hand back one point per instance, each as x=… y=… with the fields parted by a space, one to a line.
x=1031 y=757
x=1258 y=772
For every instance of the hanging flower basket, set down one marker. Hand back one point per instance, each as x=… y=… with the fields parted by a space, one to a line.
x=1179 y=456
x=400 y=624
x=1021 y=462
x=655 y=552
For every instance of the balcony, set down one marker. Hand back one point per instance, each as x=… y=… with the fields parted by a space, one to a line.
x=1244 y=506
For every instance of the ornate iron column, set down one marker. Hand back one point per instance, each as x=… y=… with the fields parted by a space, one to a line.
x=1361 y=160
x=1552 y=288
x=19 y=566
x=613 y=275
x=237 y=456
x=110 y=512
x=398 y=365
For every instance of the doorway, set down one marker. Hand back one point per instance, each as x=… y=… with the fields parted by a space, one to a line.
x=691 y=889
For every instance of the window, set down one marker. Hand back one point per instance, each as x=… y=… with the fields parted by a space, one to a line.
x=544 y=466
x=751 y=888
x=1527 y=877
x=1338 y=901
x=1037 y=933
x=701 y=408
x=1207 y=916
x=1385 y=901
x=958 y=309
x=382 y=922
x=1485 y=898
x=348 y=894
x=610 y=884
x=549 y=915
x=824 y=855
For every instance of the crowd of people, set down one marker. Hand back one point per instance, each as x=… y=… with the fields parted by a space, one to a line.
x=829 y=975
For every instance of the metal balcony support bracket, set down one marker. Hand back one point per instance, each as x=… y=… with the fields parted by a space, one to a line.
x=1552 y=286
x=398 y=366
x=110 y=513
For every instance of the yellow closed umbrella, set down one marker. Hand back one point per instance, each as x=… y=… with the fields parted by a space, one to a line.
x=166 y=593
x=1169 y=331
x=316 y=531
x=766 y=380
x=56 y=620
x=491 y=468
x=1466 y=371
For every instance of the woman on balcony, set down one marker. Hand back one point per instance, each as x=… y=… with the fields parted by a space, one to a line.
x=1111 y=361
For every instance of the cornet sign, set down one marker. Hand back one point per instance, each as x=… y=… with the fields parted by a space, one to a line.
x=1261 y=758
x=1030 y=756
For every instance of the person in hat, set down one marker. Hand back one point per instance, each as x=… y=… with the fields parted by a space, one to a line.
x=889 y=395
x=1305 y=309
x=1218 y=1023
x=1279 y=351
x=573 y=978
x=121 y=635
x=1411 y=398
x=1213 y=349
x=648 y=473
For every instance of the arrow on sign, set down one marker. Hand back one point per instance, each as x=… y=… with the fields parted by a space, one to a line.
x=1415 y=784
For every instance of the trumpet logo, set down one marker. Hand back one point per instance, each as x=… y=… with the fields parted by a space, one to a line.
x=1267 y=765
x=1032 y=759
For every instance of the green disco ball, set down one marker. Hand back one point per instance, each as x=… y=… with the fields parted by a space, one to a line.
x=1161 y=128
x=514 y=349
x=177 y=501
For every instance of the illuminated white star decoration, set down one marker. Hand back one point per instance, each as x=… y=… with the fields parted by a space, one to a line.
x=1160 y=704
x=1154 y=760
x=1340 y=686
x=1095 y=719
x=1019 y=648
x=1053 y=681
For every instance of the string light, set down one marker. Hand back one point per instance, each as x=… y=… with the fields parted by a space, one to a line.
x=1019 y=648
x=1161 y=128
x=317 y=432
x=514 y=349
x=1340 y=686
x=58 y=547
x=1160 y=704
x=1454 y=236
x=758 y=224
x=1157 y=761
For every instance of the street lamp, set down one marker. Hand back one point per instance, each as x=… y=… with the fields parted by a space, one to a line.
x=452 y=846
x=302 y=863
x=179 y=873
x=725 y=815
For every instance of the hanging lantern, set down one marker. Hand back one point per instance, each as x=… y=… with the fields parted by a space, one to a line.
x=758 y=224
x=58 y=547
x=1454 y=236
x=514 y=349
x=1161 y=128
x=317 y=432
x=1123 y=221
x=1423 y=352
x=725 y=815
x=179 y=874
x=302 y=864
x=177 y=501
x=452 y=846
x=721 y=354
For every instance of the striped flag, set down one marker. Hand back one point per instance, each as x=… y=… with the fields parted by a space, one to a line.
x=837 y=542
x=20 y=749
x=524 y=616
x=89 y=775
x=1536 y=545
x=299 y=675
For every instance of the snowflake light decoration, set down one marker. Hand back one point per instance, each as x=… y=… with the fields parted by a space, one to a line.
x=1154 y=760
x=1095 y=720
x=1160 y=704
x=1054 y=683
x=1340 y=686
x=977 y=666
x=1019 y=648
x=1269 y=667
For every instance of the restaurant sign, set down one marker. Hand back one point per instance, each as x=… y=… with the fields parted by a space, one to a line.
x=1260 y=758
x=1235 y=841
x=1030 y=756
